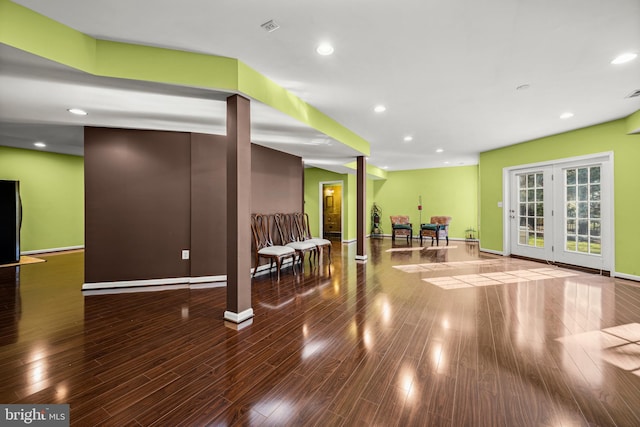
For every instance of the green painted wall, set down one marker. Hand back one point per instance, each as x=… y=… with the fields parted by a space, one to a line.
x=445 y=191
x=611 y=136
x=52 y=191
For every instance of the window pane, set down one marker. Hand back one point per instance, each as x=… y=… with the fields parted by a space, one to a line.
x=523 y=195
x=596 y=246
x=583 y=225
x=522 y=238
x=531 y=209
x=539 y=195
x=583 y=210
x=583 y=176
x=539 y=180
x=583 y=244
x=582 y=192
x=571 y=243
x=571 y=194
x=540 y=240
x=523 y=209
x=539 y=224
x=571 y=176
x=523 y=222
x=531 y=195
x=594 y=228
x=571 y=210
x=595 y=174
x=531 y=181
x=595 y=192
x=539 y=209
x=531 y=223
x=571 y=226
x=523 y=181
x=594 y=208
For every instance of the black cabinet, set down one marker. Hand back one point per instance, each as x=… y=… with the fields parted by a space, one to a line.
x=10 y=221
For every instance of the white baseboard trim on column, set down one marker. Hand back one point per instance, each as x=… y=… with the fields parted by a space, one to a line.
x=491 y=251
x=362 y=258
x=238 y=317
x=626 y=276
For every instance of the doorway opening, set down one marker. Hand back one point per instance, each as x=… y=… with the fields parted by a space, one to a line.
x=331 y=225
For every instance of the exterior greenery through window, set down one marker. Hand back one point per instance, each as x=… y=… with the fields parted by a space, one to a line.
x=582 y=210
x=531 y=209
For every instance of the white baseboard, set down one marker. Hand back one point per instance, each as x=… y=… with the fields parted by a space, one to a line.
x=362 y=257
x=238 y=317
x=491 y=251
x=136 y=283
x=626 y=276
x=44 y=251
x=207 y=279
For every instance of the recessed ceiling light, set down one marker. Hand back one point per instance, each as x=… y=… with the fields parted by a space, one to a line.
x=566 y=115
x=385 y=167
x=77 y=111
x=439 y=150
x=380 y=108
x=625 y=57
x=408 y=138
x=446 y=163
x=324 y=49
x=40 y=144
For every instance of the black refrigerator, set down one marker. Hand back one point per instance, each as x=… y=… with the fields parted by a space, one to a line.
x=10 y=221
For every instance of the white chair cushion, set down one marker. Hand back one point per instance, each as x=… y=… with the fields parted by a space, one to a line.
x=276 y=251
x=301 y=246
x=318 y=241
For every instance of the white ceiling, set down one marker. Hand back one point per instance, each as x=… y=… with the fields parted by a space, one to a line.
x=447 y=71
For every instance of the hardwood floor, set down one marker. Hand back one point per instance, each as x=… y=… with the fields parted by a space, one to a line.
x=412 y=337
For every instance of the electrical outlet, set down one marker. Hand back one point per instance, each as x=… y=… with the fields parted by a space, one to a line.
x=185 y=254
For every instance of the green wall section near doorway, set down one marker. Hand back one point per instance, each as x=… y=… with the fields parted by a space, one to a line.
x=445 y=191
x=606 y=137
x=52 y=192
x=451 y=191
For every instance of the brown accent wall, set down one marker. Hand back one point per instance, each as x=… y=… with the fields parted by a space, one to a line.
x=151 y=194
x=208 y=205
x=137 y=204
x=276 y=181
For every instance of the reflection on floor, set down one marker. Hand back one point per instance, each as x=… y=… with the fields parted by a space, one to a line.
x=419 y=248
x=417 y=268
x=498 y=278
x=618 y=345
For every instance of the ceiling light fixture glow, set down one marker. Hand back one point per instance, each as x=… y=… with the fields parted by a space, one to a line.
x=77 y=111
x=623 y=58
x=566 y=115
x=380 y=108
x=324 y=49
x=40 y=144
x=408 y=138
x=439 y=150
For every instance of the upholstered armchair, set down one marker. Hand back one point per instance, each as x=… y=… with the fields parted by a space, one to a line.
x=401 y=226
x=438 y=228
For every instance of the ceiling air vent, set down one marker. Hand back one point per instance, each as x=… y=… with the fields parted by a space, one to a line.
x=270 y=26
x=633 y=94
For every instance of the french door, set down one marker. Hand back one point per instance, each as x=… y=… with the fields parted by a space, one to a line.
x=562 y=212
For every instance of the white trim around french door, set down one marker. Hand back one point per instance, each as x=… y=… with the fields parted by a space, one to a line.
x=561 y=211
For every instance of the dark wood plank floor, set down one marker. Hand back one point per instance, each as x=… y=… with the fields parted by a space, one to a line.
x=353 y=344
